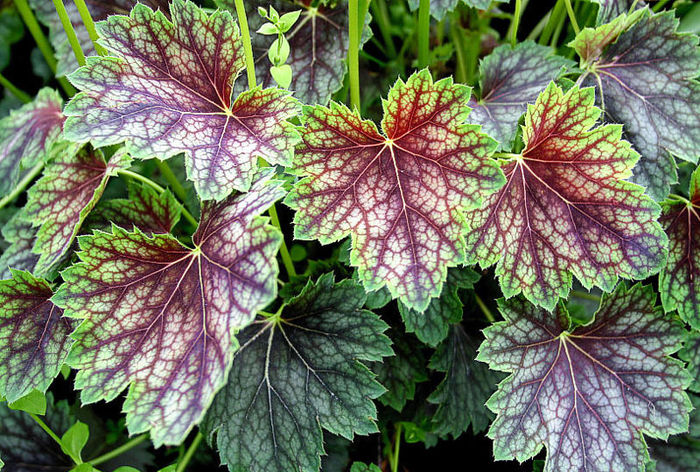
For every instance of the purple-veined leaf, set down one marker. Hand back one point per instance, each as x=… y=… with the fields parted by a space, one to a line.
x=646 y=80
x=510 y=78
x=99 y=10
x=691 y=354
x=679 y=282
x=586 y=394
x=318 y=46
x=33 y=334
x=169 y=90
x=399 y=194
x=21 y=235
x=610 y=9
x=160 y=317
x=145 y=209
x=298 y=372
x=61 y=200
x=679 y=453
x=565 y=209
x=439 y=8
x=27 y=135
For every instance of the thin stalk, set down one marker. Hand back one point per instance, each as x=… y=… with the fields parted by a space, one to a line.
x=53 y=435
x=585 y=295
x=659 y=5
x=558 y=31
x=247 y=45
x=22 y=95
x=458 y=41
x=89 y=26
x=381 y=15
x=250 y=64
x=120 y=450
x=423 y=33
x=539 y=27
x=397 y=445
x=572 y=16
x=551 y=25
x=169 y=175
x=19 y=188
x=680 y=198
x=188 y=216
x=515 y=23
x=354 y=53
x=181 y=465
x=484 y=309
x=70 y=31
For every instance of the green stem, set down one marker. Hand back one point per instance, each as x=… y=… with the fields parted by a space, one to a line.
x=506 y=155
x=120 y=450
x=551 y=25
x=181 y=465
x=397 y=445
x=539 y=27
x=284 y=252
x=659 y=5
x=19 y=188
x=89 y=26
x=23 y=96
x=169 y=175
x=188 y=216
x=680 y=198
x=381 y=15
x=423 y=33
x=572 y=16
x=457 y=35
x=484 y=309
x=585 y=295
x=70 y=31
x=247 y=45
x=354 y=53
x=54 y=436
x=515 y=23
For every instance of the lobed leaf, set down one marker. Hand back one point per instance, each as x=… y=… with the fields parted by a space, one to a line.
x=510 y=78
x=610 y=9
x=296 y=373
x=27 y=135
x=61 y=200
x=588 y=393
x=679 y=282
x=400 y=373
x=400 y=194
x=160 y=317
x=691 y=354
x=34 y=336
x=646 y=80
x=565 y=208
x=169 y=90
x=21 y=235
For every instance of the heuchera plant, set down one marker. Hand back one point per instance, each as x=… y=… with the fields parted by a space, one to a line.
x=345 y=235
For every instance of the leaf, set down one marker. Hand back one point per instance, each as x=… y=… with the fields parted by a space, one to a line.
x=34 y=336
x=145 y=209
x=587 y=394
x=400 y=194
x=680 y=453
x=296 y=373
x=679 y=282
x=61 y=200
x=610 y=9
x=319 y=45
x=433 y=325
x=27 y=135
x=400 y=373
x=168 y=90
x=565 y=209
x=510 y=78
x=362 y=467
x=645 y=80
x=74 y=440
x=21 y=235
x=34 y=403
x=467 y=385
x=160 y=317
x=691 y=354
x=439 y=8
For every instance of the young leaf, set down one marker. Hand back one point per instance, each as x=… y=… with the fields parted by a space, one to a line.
x=679 y=282
x=297 y=373
x=646 y=80
x=73 y=441
x=21 y=235
x=169 y=90
x=510 y=78
x=145 y=209
x=34 y=336
x=34 y=402
x=400 y=194
x=464 y=390
x=439 y=8
x=400 y=373
x=586 y=394
x=27 y=135
x=565 y=209
x=61 y=200
x=160 y=317
x=433 y=325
